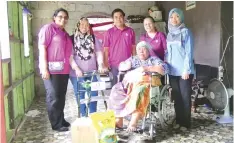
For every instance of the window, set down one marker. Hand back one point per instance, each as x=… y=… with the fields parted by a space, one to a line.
x=99 y=31
x=100 y=20
x=4 y=34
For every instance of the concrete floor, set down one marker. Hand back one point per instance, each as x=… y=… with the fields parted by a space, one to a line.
x=204 y=129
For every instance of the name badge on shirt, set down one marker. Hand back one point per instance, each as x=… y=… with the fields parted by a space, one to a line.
x=126 y=34
x=156 y=41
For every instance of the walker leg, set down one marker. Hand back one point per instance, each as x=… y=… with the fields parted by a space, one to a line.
x=103 y=95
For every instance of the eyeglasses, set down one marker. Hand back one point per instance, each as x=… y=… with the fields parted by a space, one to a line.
x=61 y=17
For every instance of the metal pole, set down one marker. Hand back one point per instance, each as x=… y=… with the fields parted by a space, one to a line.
x=2 y=109
x=78 y=96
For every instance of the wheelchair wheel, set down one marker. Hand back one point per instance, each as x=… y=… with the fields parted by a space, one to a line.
x=166 y=107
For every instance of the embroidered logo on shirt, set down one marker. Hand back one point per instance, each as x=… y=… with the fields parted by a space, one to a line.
x=126 y=34
x=156 y=41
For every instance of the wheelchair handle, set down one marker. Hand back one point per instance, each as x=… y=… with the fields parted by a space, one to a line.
x=94 y=72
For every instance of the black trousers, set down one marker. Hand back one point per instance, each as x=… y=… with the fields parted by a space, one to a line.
x=56 y=88
x=181 y=93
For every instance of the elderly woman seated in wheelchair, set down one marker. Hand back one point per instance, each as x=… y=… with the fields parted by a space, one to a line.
x=131 y=96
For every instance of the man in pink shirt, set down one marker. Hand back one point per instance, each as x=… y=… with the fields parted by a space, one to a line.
x=55 y=49
x=119 y=43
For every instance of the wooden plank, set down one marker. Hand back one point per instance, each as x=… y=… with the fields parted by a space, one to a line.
x=9 y=132
x=18 y=61
x=15 y=19
x=16 y=50
x=5 y=72
x=32 y=86
x=25 y=95
x=11 y=109
x=20 y=99
x=7 y=117
x=21 y=32
x=27 y=62
x=10 y=75
x=9 y=13
x=29 y=98
x=15 y=103
x=15 y=84
x=13 y=62
x=17 y=110
x=8 y=99
x=31 y=59
x=14 y=39
x=23 y=61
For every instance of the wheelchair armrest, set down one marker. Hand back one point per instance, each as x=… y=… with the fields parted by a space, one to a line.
x=153 y=73
x=120 y=75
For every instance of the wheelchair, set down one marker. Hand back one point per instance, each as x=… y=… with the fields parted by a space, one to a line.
x=103 y=83
x=161 y=105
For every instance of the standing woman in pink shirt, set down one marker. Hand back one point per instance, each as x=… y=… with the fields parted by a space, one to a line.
x=55 y=49
x=156 y=39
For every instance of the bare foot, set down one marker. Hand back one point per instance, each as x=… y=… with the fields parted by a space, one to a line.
x=132 y=128
x=133 y=123
x=193 y=109
x=119 y=122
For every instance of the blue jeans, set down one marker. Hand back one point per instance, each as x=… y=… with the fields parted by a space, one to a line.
x=115 y=72
x=92 y=105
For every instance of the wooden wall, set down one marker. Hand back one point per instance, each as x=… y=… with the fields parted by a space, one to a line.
x=18 y=72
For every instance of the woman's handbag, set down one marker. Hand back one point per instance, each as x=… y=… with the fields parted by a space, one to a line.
x=57 y=66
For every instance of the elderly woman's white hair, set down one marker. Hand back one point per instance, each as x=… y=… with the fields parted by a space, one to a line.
x=147 y=46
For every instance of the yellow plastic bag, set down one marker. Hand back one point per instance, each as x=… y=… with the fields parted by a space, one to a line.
x=104 y=123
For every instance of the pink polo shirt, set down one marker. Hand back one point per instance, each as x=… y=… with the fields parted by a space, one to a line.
x=158 y=43
x=120 y=44
x=58 y=43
